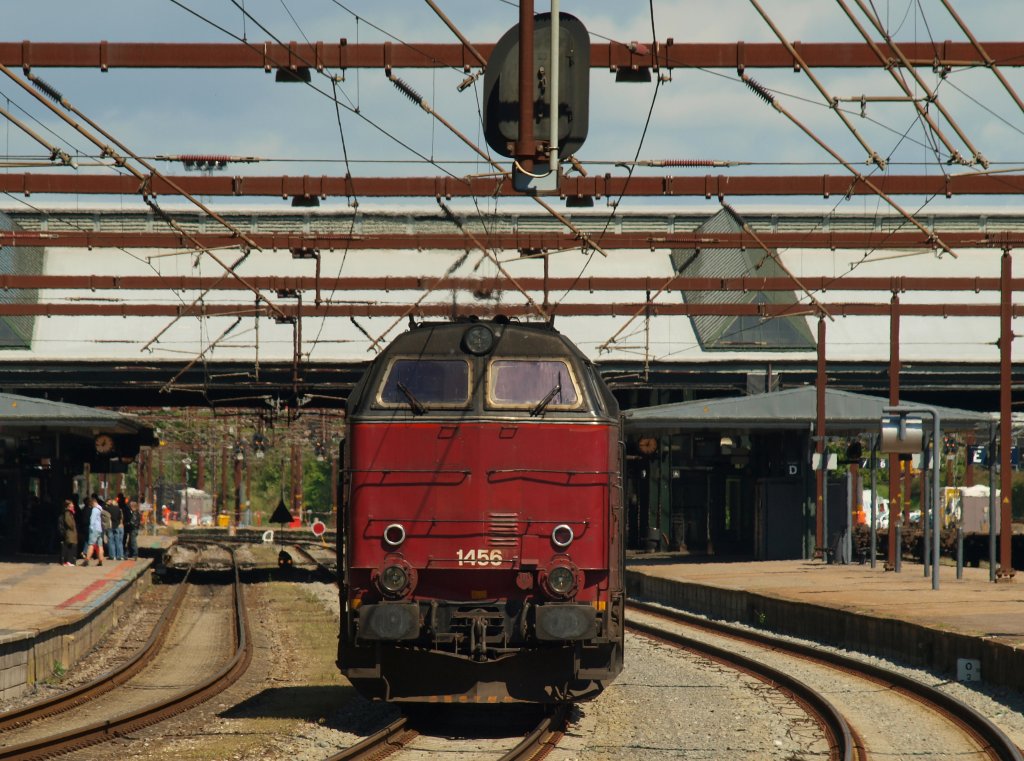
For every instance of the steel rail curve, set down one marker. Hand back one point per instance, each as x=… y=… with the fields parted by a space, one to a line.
x=313 y=560
x=989 y=737
x=396 y=735
x=380 y=744
x=106 y=681
x=102 y=731
x=843 y=742
x=543 y=739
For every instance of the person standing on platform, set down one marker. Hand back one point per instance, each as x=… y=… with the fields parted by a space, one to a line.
x=132 y=520
x=68 y=531
x=82 y=521
x=95 y=531
x=116 y=528
x=105 y=519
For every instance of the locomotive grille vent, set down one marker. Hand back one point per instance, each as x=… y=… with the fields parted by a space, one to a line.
x=504 y=529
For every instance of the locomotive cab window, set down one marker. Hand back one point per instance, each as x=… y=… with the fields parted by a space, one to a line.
x=420 y=383
x=533 y=384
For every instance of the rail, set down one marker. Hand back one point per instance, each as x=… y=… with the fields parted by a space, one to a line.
x=102 y=731
x=380 y=744
x=106 y=681
x=987 y=735
x=396 y=735
x=543 y=739
x=838 y=733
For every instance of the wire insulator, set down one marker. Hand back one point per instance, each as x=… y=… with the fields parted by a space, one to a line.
x=760 y=90
x=407 y=90
x=449 y=214
x=158 y=210
x=49 y=90
x=204 y=158
x=690 y=162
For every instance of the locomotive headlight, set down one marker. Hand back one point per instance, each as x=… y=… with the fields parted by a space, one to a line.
x=561 y=579
x=478 y=340
x=393 y=579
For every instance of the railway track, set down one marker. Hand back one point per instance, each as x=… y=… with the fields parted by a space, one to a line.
x=397 y=735
x=105 y=682
x=307 y=557
x=987 y=739
x=51 y=744
x=842 y=740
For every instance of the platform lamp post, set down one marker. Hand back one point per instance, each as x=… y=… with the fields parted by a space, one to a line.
x=874 y=499
x=187 y=462
x=239 y=458
x=895 y=433
x=993 y=513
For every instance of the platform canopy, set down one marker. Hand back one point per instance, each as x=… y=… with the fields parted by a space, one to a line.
x=794 y=408
x=26 y=414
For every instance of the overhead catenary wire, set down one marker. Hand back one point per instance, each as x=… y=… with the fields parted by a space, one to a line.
x=954 y=154
x=455 y=30
x=765 y=95
x=977 y=156
x=615 y=206
x=123 y=162
x=580 y=234
x=416 y=98
x=451 y=217
x=631 y=169
x=990 y=63
x=872 y=153
x=56 y=154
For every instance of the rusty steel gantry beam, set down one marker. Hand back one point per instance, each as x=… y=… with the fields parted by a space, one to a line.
x=895 y=284
x=824 y=241
x=268 y=56
x=594 y=186
x=448 y=310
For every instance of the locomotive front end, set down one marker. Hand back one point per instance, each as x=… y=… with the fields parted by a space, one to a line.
x=483 y=549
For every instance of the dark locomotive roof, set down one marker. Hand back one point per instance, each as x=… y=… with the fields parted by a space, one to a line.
x=511 y=341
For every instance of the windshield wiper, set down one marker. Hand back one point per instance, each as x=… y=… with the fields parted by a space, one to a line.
x=414 y=404
x=546 y=400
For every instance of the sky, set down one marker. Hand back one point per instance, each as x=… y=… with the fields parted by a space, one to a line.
x=699 y=114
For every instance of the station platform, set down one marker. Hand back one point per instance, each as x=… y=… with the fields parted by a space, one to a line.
x=892 y=615
x=51 y=615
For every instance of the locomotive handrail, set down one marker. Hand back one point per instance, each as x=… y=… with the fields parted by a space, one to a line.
x=547 y=470
x=550 y=476
x=559 y=472
x=405 y=519
x=458 y=471
x=571 y=521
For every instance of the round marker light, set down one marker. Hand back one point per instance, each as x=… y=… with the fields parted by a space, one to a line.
x=478 y=340
x=561 y=580
x=393 y=579
x=562 y=535
x=394 y=534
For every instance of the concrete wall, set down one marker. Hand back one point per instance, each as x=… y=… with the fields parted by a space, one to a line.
x=888 y=638
x=28 y=657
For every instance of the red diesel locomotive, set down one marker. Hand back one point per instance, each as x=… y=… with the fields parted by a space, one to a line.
x=482 y=545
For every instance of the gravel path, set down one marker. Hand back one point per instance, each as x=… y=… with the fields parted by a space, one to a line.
x=1001 y=705
x=891 y=724
x=669 y=703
